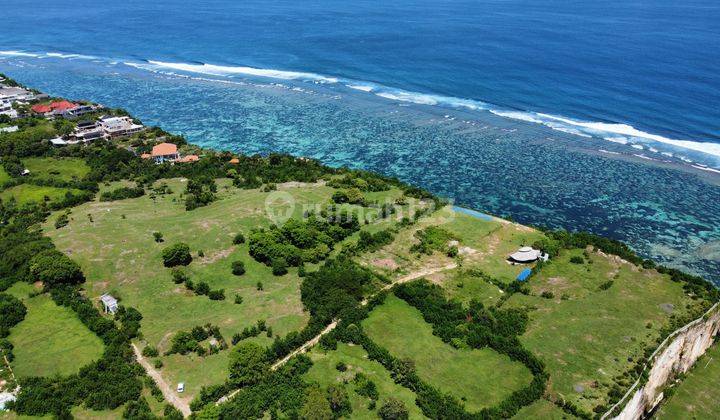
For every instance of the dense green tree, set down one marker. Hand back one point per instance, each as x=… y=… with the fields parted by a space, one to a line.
x=12 y=311
x=248 y=364
x=177 y=254
x=54 y=268
x=316 y=406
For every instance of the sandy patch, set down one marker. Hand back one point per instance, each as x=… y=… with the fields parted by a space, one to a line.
x=386 y=263
x=216 y=256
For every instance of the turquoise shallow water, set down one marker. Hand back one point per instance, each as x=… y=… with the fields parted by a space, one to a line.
x=510 y=168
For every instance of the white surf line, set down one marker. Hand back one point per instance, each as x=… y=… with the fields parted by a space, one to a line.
x=310 y=343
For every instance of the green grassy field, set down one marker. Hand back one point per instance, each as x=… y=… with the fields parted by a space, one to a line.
x=26 y=193
x=464 y=286
x=696 y=397
x=116 y=249
x=64 y=169
x=324 y=372
x=51 y=340
x=483 y=244
x=542 y=410
x=4 y=176
x=481 y=377
x=590 y=336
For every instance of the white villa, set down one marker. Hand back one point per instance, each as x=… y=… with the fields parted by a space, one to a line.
x=120 y=126
x=110 y=304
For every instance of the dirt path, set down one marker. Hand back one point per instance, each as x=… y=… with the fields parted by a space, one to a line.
x=310 y=343
x=167 y=390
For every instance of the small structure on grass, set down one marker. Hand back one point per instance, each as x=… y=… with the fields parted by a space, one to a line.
x=110 y=304
x=526 y=255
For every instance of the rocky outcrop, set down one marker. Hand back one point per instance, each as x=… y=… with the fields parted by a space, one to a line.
x=675 y=355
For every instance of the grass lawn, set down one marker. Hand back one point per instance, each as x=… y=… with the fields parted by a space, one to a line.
x=464 y=286
x=542 y=410
x=696 y=397
x=51 y=340
x=26 y=193
x=482 y=377
x=116 y=249
x=4 y=176
x=484 y=245
x=324 y=373
x=65 y=169
x=590 y=336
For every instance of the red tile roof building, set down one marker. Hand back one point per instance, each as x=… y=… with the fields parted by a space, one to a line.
x=164 y=152
x=55 y=107
x=188 y=159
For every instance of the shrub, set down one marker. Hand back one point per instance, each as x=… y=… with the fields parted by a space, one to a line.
x=122 y=193
x=202 y=288
x=341 y=366
x=259 y=285
x=279 y=267
x=158 y=236
x=364 y=386
x=339 y=400
x=238 y=299
x=547 y=295
x=238 y=268
x=158 y=364
x=608 y=284
x=217 y=294
x=178 y=254
x=62 y=221
x=393 y=409
x=179 y=276
x=575 y=259
x=239 y=239
x=150 y=351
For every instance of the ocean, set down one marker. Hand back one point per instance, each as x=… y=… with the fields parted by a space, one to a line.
x=599 y=116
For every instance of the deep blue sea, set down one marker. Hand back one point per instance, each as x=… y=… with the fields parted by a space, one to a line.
x=603 y=116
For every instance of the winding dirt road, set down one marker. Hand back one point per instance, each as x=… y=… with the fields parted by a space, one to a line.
x=167 y=390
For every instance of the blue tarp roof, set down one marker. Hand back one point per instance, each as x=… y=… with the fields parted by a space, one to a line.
x=524 y=274
x=473 y=213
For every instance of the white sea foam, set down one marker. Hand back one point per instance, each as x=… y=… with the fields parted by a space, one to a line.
x=620 y=140
x=364 y=88
x=70 y=56
x=13 y=53
x=215 y=70
x=705 y=168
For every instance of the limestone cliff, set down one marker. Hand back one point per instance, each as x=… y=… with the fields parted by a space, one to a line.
x=675 y=355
